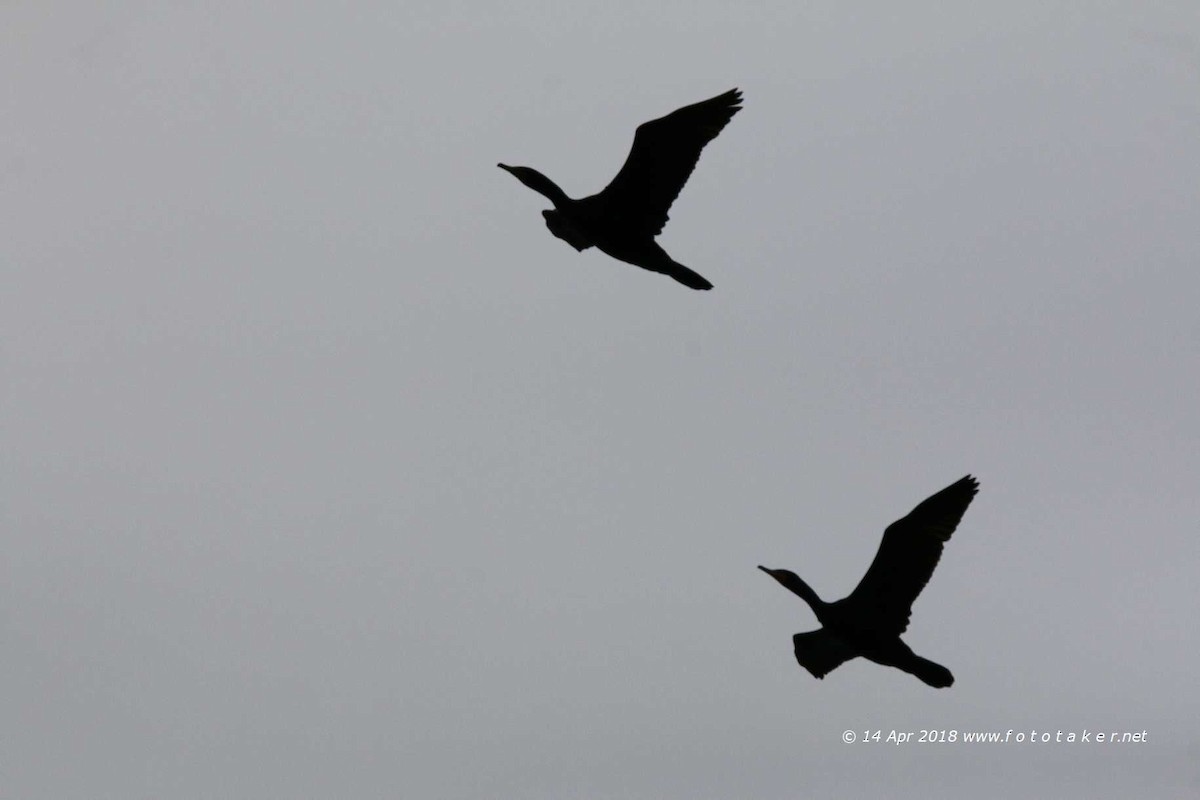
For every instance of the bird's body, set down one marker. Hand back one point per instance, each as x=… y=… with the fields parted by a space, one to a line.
x=623 y=219
x=869 y=621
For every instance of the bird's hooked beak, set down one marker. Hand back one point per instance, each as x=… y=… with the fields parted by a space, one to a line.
x=514 y=171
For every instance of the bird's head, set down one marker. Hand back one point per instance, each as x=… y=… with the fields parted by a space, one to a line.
x=781 y=575
x=792 y=582
x=536 y=181
x=523 y=174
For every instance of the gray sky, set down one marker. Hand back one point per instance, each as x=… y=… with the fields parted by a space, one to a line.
x=328 y=472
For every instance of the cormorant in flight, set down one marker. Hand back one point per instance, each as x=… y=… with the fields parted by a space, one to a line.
x=869 y=622
x=623 y=219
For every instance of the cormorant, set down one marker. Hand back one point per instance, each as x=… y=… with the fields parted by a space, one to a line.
x=623 y=219
x=869 y=622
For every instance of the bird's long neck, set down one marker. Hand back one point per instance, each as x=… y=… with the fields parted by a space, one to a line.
x=793 y=582
x=545 y=187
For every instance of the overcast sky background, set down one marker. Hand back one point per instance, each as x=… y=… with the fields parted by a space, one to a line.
x=328 y=472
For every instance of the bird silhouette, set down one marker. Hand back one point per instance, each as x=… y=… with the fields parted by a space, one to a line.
x=869 y=621
x=624 y=218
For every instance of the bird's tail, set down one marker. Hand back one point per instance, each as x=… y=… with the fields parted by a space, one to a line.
x=655 y=259
x=933 y=674
x=687 y=277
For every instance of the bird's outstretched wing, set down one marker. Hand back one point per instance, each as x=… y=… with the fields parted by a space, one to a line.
x=908 y=553
x=664 y=153
x=820 y=652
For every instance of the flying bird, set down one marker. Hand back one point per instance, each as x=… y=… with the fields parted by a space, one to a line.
x=623 y=220
x=869 y=621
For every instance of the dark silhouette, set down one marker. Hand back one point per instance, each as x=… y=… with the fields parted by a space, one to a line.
x=623 y=219
x=869 y=622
